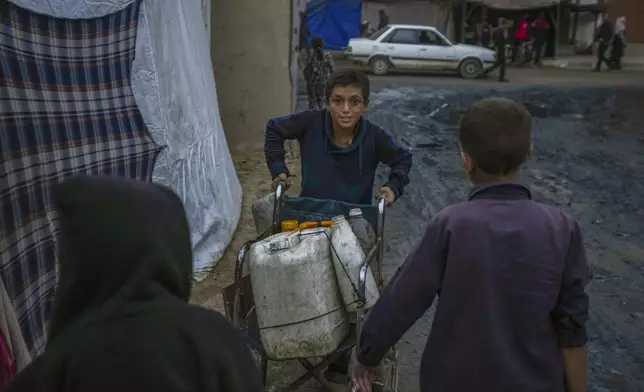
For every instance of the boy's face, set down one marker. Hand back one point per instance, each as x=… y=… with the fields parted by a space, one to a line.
x=347 y=105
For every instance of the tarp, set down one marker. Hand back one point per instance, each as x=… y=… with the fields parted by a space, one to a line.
x=337 y=21
x=173 y=86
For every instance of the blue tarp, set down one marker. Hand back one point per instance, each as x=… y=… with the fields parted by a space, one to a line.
x=337 y=21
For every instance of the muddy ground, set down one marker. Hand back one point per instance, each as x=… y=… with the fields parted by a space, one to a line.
x=588 y=160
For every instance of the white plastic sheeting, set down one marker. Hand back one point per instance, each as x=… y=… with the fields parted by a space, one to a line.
x=174 y=86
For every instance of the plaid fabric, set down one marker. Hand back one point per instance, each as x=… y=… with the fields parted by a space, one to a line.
x=66 y=108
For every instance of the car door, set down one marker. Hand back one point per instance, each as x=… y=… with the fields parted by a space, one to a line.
x=401 y=45
x=434 y=52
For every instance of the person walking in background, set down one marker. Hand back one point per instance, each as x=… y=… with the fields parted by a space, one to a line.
x=604 y=37
x=318 y=68
x=520 y=38
x=383 y=19
x=484 y=32
x=121 y=319
x=540 y=30
x=304 y=37
x=618 y=43
x=500 y=36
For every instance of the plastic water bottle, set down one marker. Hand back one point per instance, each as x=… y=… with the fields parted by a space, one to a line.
x=362 y=229
x=347 y=259
x=366 y=236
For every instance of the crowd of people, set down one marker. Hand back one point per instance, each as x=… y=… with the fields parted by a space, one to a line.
x=528 y=39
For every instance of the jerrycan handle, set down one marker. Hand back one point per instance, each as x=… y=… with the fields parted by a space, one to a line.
x=285 y=242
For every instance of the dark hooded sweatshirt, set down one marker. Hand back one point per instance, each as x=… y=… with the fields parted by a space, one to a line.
x=334 y=173
x=121 y=321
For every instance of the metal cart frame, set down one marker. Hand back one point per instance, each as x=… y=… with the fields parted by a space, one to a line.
x=239 y=304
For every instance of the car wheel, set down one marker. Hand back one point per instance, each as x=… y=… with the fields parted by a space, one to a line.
x=470 y=69
x=380 y=66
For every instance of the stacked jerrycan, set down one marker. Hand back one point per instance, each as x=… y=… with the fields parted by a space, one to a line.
x=299 y=307
x=305 y=282
x=366 y=236
x=347 y=257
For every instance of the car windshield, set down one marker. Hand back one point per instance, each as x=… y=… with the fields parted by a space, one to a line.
x=375 y=35
x=443 y=39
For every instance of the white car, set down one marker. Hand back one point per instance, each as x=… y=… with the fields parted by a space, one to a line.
x=414 y=47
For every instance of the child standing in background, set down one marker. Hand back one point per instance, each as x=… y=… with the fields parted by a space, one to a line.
x=318 y=68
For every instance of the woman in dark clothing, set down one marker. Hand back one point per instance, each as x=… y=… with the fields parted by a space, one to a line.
x=121 y=319
x=618 y=43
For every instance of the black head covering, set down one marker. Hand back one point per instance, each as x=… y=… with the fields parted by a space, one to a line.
x=121 y=321
x=120 y=242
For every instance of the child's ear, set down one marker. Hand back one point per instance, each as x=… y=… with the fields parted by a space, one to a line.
x=467 y=161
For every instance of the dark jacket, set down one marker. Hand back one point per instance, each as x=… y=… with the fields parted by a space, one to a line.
x=605 y=32
x=510 y=274
x=329 y=172
x=121 y=319
x=500 y=36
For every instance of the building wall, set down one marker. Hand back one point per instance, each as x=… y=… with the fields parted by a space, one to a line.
x=251 y=56
x=634 y=12
x=410 y=12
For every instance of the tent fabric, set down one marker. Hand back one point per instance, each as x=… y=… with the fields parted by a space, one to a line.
x=173 y=84
x=337 y=21
x=174 y=87
x=66 y=108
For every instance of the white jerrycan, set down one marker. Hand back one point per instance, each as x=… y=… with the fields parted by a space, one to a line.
x=299 y=307
x=347 y=257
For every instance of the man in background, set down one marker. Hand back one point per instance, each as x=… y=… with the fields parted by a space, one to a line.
x=484 y=32
x=603 y=38
x=520 y=38
x=383 y=19
x=540 y=30
x=500 y=36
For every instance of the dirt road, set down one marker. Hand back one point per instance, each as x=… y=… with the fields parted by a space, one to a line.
x=588 y=160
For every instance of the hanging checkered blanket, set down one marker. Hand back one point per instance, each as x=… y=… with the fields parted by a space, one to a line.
x=66 y=107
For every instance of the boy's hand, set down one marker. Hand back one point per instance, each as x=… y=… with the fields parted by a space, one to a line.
x=390 y=196
x=362 y=377
x=283 y=177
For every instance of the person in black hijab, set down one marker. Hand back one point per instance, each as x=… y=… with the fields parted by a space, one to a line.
x=121 y=319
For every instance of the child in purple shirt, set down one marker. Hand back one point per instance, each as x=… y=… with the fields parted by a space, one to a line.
x=510 y=273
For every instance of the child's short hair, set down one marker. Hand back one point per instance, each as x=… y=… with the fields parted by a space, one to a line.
x=497 y=134
x=348 y=77
x=317 y=42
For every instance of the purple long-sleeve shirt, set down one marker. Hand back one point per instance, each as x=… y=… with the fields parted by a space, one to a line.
x=511 y=276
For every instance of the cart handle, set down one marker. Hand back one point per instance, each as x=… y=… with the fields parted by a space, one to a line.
x=277 y=206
